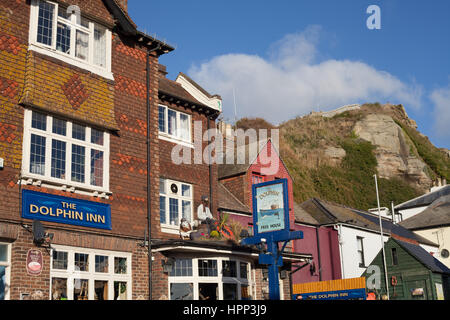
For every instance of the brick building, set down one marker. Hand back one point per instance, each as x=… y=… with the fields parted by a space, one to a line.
x=88 y=128
x=73 y=133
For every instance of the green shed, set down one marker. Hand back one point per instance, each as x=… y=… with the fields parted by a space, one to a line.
x=413 y=273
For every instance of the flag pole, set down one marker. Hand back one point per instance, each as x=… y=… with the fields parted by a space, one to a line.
x=381 y=237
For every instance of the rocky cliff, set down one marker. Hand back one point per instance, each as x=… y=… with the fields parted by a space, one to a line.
x=333 y=155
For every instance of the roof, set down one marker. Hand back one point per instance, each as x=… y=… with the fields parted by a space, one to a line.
x=424 y=200
x=325 y=212
x=195 y=84
x=128 y=27
x=175 y=90
x=229 y=202
x=437 y=214
x=302 y=216
x=423 y=256
x=228 y=247
x=237 y=167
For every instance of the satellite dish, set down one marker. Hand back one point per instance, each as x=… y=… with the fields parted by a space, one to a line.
x=444 y=253
x=38 y=232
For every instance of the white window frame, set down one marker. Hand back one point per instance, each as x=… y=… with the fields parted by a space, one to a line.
x=89 y=65
x=71 y=274
x=7 y=264
x=195 y=279
x=176 y=138
x=64 y=184
x=175 y=228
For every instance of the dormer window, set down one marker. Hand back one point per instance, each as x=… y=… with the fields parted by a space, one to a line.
x=63 y=33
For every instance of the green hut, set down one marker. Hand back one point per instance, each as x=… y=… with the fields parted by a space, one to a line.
x=413 y=273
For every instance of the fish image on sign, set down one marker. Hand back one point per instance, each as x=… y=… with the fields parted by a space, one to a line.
x=270 y=207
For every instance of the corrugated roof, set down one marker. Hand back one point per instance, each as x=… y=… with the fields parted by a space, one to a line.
x=424 y=257
x=425 y=199
x=437 y=214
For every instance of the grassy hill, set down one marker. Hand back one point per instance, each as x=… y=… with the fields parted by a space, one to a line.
x=304 y=142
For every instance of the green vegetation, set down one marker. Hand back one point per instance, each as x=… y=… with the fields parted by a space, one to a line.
x=349 y=181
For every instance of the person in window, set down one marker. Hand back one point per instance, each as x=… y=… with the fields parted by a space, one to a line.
x=204 y=214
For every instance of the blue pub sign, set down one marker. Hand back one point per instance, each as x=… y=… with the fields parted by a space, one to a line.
x=271 y=226
x=58 y=209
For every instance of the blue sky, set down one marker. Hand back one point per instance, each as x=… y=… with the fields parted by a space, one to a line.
x=286 y=58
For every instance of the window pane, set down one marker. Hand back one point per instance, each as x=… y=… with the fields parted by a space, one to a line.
x=182 y=268
x=58 y=159
x=3 y=253
x=82 y=45
x=59 y=260
x=243 y=270
x=101 y=264
x=187 y=210
x=207 y=268
x=78 y=132
x=97 y=136
x=45 y=23
x=185 y=190
x=162 y=119
x=245 y=292
x=101 y=290
x=37 y=155
x=181 y=291
x=162 y=209
x=120 y=290
x=81 y=262
x=96 y=168
x=229 y=269
x=173 y=211
x=62 y=13
x=230 y=291
x=39 y=121
x=208 y=291
x=120 y=265
x=172 y=122
x=184 y=124
x=80 y=289
x=59 y=126
x=2 y=282
x=78 y=164
x=59 y=289
x=63 y=38
x=99 y=47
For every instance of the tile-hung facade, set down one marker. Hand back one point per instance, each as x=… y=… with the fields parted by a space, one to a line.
x=73 y=135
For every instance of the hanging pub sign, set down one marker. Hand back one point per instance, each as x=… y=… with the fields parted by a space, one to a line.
x=270 y=203
x=58 y=209
x=34 y=262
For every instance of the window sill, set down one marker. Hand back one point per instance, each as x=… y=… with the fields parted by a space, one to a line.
x=172 y=229
x=184 y=143
x=70 y=60
x=45 y=182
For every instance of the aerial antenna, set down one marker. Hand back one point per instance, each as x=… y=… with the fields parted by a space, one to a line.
x=235 y=110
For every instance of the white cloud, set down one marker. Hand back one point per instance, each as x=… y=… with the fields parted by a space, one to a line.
x=291 y=82
x=441 y=100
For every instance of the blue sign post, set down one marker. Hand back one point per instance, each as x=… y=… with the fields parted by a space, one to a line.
x=271 y=226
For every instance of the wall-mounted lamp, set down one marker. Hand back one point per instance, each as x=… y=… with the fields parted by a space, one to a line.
x=168 y=265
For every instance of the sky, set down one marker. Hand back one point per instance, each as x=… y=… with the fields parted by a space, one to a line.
x=282 y=59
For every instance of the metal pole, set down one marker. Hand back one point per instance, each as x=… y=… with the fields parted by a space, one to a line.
x=381 y=237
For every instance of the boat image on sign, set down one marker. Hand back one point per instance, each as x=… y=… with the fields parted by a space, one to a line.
x=273 y=211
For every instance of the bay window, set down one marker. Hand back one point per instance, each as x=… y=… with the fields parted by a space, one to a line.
x=87 y=274
x=209 y=279
x=58 y=31
x=174 y=126
x=65 y=153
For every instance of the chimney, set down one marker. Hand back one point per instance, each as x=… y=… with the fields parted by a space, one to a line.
x=162 y=71
x=123 y=4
